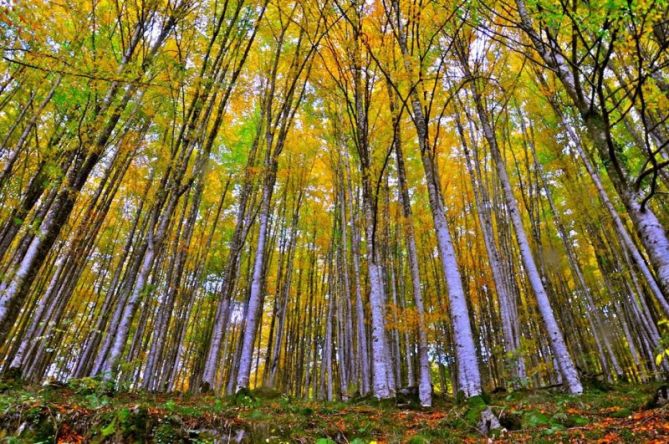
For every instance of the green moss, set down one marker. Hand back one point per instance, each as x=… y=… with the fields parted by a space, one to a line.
x=245 y=398
x=533 y=419
x=42 y=429
x=418 y=439
x=167 y=433
x=257 y=415
x=475 y=405
x=621 y=413
x=92 y=386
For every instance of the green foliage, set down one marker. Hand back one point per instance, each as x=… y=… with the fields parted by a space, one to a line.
x=167 y=433
x=170 y=405
x=663 y=352
x=621 y=413
x=244 y=398
x=109 y=429
x=534 y=419
x=95 y=401
x=92 y=386
x=475 y=405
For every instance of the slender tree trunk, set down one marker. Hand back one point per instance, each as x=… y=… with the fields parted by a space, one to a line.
x=425 y=380
x=561 y=353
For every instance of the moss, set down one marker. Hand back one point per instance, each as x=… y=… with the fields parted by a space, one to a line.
x=257 y=415
x=90 y=386
x=418 y=439
x=168 y=433
x=475 y=405
x=533 y=419
x=621 y=413
x=244 y=398
x=41 y=429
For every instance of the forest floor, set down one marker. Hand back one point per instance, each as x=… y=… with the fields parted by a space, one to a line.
x=90 y=411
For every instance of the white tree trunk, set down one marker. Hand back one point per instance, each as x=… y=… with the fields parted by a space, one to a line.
x=468 y=375
x=506 y=297
x=256 y=295
x=565 y=363
x=380 y=386
x=129 y=309
x=425 y=379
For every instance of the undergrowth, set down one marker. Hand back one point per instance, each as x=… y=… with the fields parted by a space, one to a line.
x=91 y=410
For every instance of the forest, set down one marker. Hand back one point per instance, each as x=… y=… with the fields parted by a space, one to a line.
x=267 y=220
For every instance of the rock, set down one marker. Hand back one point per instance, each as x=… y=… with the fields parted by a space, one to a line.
x=660 y=398
x=407 y=396
x=510 y=420
x=488 y=422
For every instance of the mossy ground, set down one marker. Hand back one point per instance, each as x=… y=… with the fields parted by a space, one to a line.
x=90 y=411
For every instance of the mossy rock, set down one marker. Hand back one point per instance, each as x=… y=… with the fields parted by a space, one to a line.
x=475 y=406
